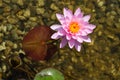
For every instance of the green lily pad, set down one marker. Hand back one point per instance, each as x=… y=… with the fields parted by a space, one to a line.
x=49 y=74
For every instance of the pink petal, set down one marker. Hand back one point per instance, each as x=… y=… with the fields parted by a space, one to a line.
x=67 y=13
x=55 y=27
x=77 y=12
x=61 y=18
x=67 y=20
x=74 y=36
x=80 y=15
x=63 y=42
x=55 y=36
x=61 y=32
x=88 y=31
x=79 y=39
x=82 y=33
x=78 y=46
x=91 y=26
x=68 y=36
x=86 y=18
x=86 y=39
x=71 y=43
x=66 y=29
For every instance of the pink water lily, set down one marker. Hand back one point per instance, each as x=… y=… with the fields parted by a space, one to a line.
x=74 y=28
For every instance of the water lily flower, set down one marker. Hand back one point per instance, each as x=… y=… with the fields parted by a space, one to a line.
x=74 y=28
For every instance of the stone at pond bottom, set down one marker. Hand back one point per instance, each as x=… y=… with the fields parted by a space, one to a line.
x=49 y=74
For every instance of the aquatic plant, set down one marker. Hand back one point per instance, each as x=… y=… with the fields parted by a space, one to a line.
x=35 y=43
x=74 y=28
x=49 y=74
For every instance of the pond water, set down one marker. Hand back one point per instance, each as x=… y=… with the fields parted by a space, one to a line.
x=98 y=60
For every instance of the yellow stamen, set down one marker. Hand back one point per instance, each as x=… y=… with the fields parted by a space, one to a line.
x=74 y=27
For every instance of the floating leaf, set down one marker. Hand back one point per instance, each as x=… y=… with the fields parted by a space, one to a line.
x=34 y=43
x=50 y=51
x=49 y=74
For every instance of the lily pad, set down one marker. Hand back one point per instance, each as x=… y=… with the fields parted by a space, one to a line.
x=35 y=43
x=49 y=74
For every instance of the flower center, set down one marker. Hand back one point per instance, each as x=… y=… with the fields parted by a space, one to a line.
x=74 y=27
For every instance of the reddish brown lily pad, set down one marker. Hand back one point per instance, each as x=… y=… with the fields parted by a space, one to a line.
x=34 y=43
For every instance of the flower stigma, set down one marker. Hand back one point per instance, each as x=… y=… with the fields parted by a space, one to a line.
x=74 y=27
